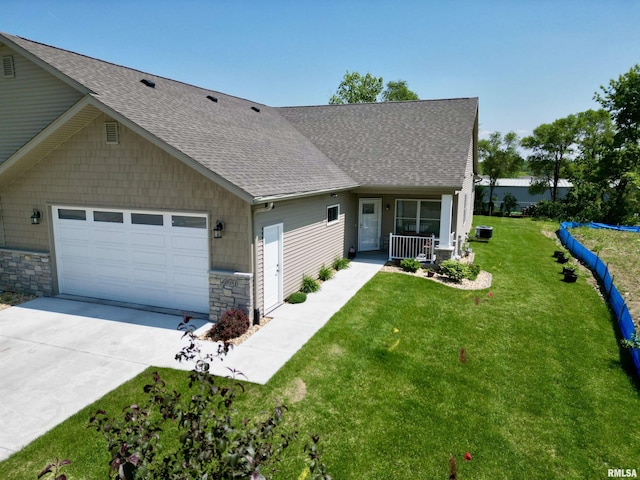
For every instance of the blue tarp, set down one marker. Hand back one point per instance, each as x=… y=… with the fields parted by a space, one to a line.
x=589 y=258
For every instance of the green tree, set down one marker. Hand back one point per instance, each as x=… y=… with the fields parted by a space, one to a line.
x=621 y=166
x=398 y=91
x=593 y=140
x=551 y=144
x=509 y=203
x=356 y=88
x=500 y=158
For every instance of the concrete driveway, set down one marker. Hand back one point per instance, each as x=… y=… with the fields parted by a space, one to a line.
x=57 y=356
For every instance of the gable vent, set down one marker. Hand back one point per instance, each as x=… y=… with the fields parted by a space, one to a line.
x=111 y=132
x=212 y=98
x=255 y=109
x=148 y=83
x=8 y=70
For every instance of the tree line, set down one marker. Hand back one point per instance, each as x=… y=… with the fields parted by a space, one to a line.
x=597 y=150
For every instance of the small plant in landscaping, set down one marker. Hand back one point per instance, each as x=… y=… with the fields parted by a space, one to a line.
x=231 y=324
x=53 y=469
x=297 y=297
x=325 y=273
x=457 y=271
x=309 y=285
x=634 y=342
x=340 y=263
x=472 y=271
x=453 y=269
x=410 y=265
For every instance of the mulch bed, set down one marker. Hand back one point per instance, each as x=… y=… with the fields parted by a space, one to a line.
x=9 y=299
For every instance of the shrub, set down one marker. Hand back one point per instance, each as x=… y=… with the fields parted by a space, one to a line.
x=340 y=263
x=297 y=297
x=410 y=265
x=232 y=324
x=325 y=273
x=453 y=269
x=472 y=271
x=456 y=270
x=309 y=285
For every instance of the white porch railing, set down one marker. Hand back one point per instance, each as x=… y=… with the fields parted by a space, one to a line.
x=407 y=246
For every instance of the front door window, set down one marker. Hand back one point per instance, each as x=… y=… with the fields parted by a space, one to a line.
x=369 y=224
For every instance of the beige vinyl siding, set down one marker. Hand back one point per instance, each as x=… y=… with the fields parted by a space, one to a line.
x=29 y=102
x=134 y=174
x=463 y=222
x=308 y=241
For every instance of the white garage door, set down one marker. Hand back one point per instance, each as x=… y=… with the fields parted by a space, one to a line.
x=146 y=257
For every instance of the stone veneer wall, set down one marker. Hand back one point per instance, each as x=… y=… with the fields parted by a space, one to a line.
x=26 y=272
x=229 y=290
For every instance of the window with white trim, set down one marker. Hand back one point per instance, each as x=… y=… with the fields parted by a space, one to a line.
x=417 y=217
x=333 y=214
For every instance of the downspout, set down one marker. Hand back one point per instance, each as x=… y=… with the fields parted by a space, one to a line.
x=266 y=208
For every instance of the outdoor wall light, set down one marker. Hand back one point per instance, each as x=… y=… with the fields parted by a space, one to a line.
x=35 y=218
x=334 y=195
x=217 y=231
x=388 y=207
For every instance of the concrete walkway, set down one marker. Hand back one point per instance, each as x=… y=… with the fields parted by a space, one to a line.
x=292 y=325
x=58 y=355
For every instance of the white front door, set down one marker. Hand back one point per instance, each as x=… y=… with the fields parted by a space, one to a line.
x=153 y=258
x=369 y=220
x=272 y=266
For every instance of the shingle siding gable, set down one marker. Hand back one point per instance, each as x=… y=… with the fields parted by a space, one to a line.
x=29 y=101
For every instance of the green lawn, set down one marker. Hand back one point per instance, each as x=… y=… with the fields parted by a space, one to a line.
x=543 y=393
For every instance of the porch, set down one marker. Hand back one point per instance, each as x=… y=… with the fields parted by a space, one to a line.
x=405 y=227
x=421 y=247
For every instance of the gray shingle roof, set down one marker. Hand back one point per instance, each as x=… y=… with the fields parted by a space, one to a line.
x=423 y=143
x=260 y=152
x=282 y=151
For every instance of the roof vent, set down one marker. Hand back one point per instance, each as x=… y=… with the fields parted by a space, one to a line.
x=8 y=70
x=255 y=109
x=111 y=133
x=212 y=98
x=148 y=83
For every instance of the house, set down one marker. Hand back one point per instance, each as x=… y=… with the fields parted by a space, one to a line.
x=118 y=184
x=519 y=188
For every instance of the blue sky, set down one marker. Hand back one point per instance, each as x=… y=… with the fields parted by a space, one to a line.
x=529 y=61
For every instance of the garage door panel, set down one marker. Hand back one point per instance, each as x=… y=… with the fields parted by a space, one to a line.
x=157 y=240
x=152 y=276
x=160 y=265
x=150 y=258
x=189 y=261
x=74 y=234
x=111 y=254
x=75 y=266
x=186 y=243
x=108 y=235
x=113 y=272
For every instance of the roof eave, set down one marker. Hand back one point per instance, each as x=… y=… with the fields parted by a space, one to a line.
x=297 y=195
